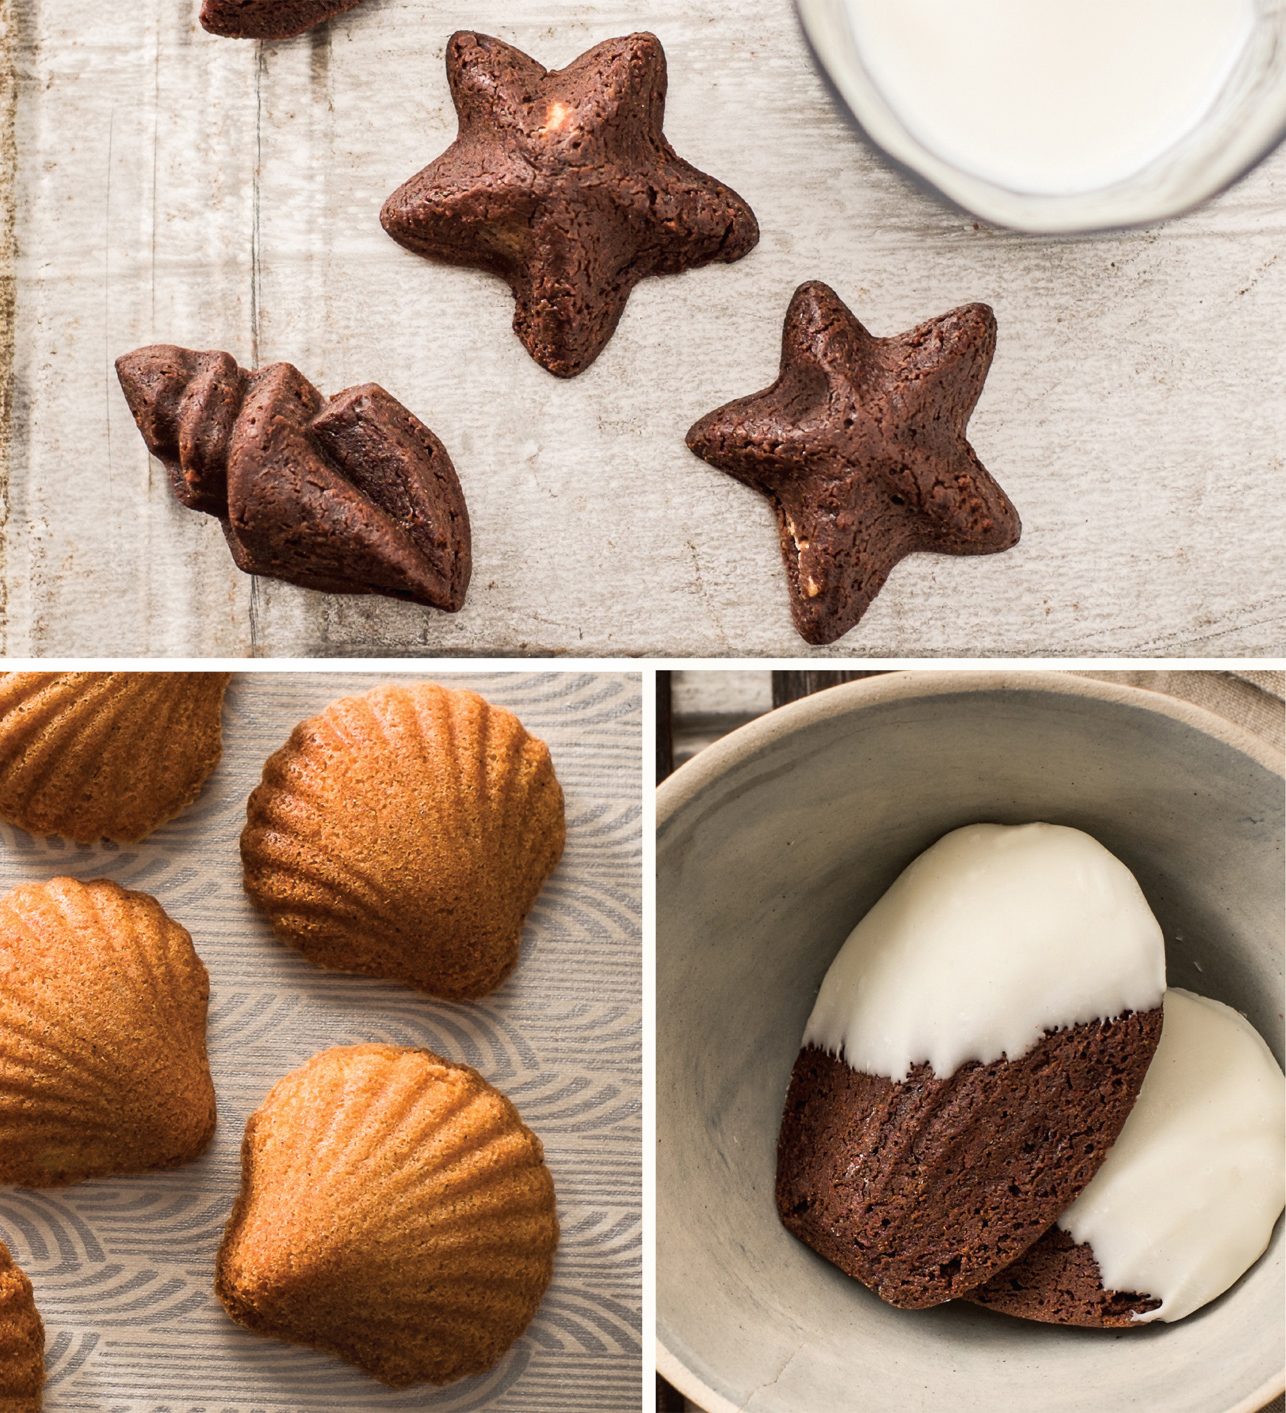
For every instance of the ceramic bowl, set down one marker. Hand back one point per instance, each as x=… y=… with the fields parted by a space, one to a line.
x=1244 y=124
x=770 y=845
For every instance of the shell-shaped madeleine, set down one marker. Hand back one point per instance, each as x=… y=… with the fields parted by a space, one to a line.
x=105 y=754
x=22 y=1341
x=102 y=1035
x=395 y=1211
x=406 y=833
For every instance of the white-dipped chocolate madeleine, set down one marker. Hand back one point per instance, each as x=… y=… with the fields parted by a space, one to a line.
x=1185 y=1202
x=974 y=1050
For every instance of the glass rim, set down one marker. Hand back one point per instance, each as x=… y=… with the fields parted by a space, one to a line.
x=1122 y=205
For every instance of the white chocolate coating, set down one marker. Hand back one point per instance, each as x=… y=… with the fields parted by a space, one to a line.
x=990 y=938
x=1186 y=1200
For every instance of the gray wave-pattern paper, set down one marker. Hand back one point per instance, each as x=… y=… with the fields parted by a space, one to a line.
x=123 y=1268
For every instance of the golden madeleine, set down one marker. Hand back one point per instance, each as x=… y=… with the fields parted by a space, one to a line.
x=394 y=1210
x=111 y=755
x=102 y=1035
x=406 y=834
x=22 y=1341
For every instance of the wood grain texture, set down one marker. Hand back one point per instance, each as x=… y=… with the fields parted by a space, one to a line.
x=217 y=193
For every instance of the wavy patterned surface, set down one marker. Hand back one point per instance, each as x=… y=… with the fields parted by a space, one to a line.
x=123 y=1268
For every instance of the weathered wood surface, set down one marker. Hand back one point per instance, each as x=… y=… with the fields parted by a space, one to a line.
x=176 y=187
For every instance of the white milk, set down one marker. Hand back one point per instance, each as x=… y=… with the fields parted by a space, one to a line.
x=1187 y=1197
x=993 y=936
x=1045 y=97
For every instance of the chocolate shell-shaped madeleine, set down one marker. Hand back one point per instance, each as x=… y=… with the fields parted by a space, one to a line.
x=405 y=834
x=22 y=1341
x=105 y=754
x=395 y=1211
x=349 y=495
x=354 y=495
x=185 y=403
x=102 y=1035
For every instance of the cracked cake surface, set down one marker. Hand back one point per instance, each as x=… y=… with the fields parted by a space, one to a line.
x=351 y=494
x=860 y=448
x=562 y=183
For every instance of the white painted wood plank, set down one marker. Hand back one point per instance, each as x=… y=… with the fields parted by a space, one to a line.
x=1133 y=413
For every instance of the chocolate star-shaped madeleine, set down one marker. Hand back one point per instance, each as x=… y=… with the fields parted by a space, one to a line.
x=860 y=446
x=268 y=19
x=562 y=183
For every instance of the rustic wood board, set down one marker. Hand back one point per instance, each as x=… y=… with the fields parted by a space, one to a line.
x=171 y=186
x=123 y=1268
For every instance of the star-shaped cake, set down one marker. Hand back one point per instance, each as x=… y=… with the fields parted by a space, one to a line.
x=860 y=446
x=268 y=19
x=562 y=183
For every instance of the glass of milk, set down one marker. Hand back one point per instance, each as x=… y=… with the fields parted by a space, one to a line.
x=1062 y=115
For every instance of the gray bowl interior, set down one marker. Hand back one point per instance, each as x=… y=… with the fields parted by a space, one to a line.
x=763 y=869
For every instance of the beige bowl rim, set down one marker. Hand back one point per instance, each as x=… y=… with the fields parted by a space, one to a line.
x=696 y=774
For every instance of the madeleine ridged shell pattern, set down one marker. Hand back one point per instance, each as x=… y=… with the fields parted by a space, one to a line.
x=406 y=834
x=105 y=754
x=102 y=1035
x=394 y=1210
x=22 y=1341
